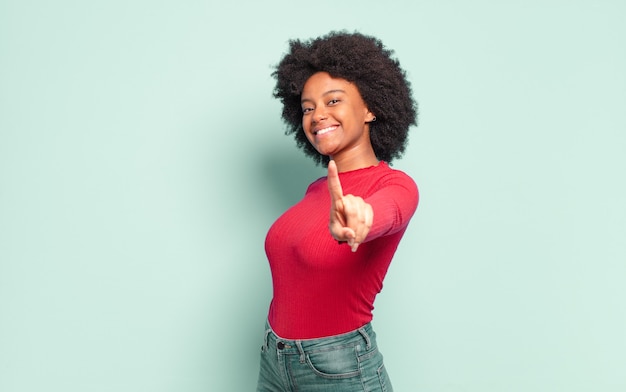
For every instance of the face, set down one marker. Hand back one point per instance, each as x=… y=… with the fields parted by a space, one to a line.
x=334 y=116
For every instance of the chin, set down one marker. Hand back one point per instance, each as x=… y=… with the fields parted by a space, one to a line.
x=325 y=151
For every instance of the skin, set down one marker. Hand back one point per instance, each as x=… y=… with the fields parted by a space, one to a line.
x=336 y=121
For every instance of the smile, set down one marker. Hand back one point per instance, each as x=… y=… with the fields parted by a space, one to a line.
x=325 y=130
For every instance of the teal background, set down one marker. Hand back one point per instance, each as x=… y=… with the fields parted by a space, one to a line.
x=142 y=159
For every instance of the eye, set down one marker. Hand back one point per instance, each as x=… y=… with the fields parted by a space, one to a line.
x=306 y=110
x=333 y=102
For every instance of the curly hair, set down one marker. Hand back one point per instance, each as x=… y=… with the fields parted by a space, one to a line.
x=362 y=60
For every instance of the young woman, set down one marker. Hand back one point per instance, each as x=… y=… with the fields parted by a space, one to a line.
x=349 y=105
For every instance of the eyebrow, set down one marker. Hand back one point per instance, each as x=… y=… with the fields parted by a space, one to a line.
x=326 y=93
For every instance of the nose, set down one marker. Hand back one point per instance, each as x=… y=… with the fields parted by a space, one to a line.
x=319 y=114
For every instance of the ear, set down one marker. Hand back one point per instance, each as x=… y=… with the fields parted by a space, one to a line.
x=369 y=117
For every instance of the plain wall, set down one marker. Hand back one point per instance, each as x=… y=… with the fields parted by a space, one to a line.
x=142 y=160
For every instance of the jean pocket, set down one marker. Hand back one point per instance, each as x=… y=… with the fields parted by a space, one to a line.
x=336 y=362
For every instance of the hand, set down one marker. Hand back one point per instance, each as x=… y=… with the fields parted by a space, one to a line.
x=350 y=216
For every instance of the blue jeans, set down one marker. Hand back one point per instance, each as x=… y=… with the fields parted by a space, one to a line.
x=348 y=362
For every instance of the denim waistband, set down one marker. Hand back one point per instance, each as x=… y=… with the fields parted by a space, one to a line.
x=300 y=346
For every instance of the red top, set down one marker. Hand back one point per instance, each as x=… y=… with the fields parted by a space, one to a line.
x=322 y=288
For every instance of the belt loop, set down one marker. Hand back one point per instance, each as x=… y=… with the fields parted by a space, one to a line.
x=368 y=343
x=264 y=347
x=302 y=356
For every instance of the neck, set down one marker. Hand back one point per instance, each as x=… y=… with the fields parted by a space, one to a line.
x=349 y=162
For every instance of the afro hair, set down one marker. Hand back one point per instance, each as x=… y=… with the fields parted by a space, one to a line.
x=362 y=60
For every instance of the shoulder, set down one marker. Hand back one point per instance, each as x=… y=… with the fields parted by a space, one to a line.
x=316 y=184
x=388 y=175
x=397 y=186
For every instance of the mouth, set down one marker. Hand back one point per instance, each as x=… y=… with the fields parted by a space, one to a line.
x=325 y=130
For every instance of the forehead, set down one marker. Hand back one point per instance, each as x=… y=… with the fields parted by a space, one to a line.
x=322 y=83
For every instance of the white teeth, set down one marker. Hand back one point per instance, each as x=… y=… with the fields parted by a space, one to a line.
x=325 y=130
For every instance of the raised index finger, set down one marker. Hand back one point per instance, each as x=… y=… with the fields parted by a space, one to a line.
x=334 y=185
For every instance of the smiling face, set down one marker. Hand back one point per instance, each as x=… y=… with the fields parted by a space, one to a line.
x=335 y=118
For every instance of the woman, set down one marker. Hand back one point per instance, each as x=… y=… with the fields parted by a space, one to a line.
x=349 y=105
